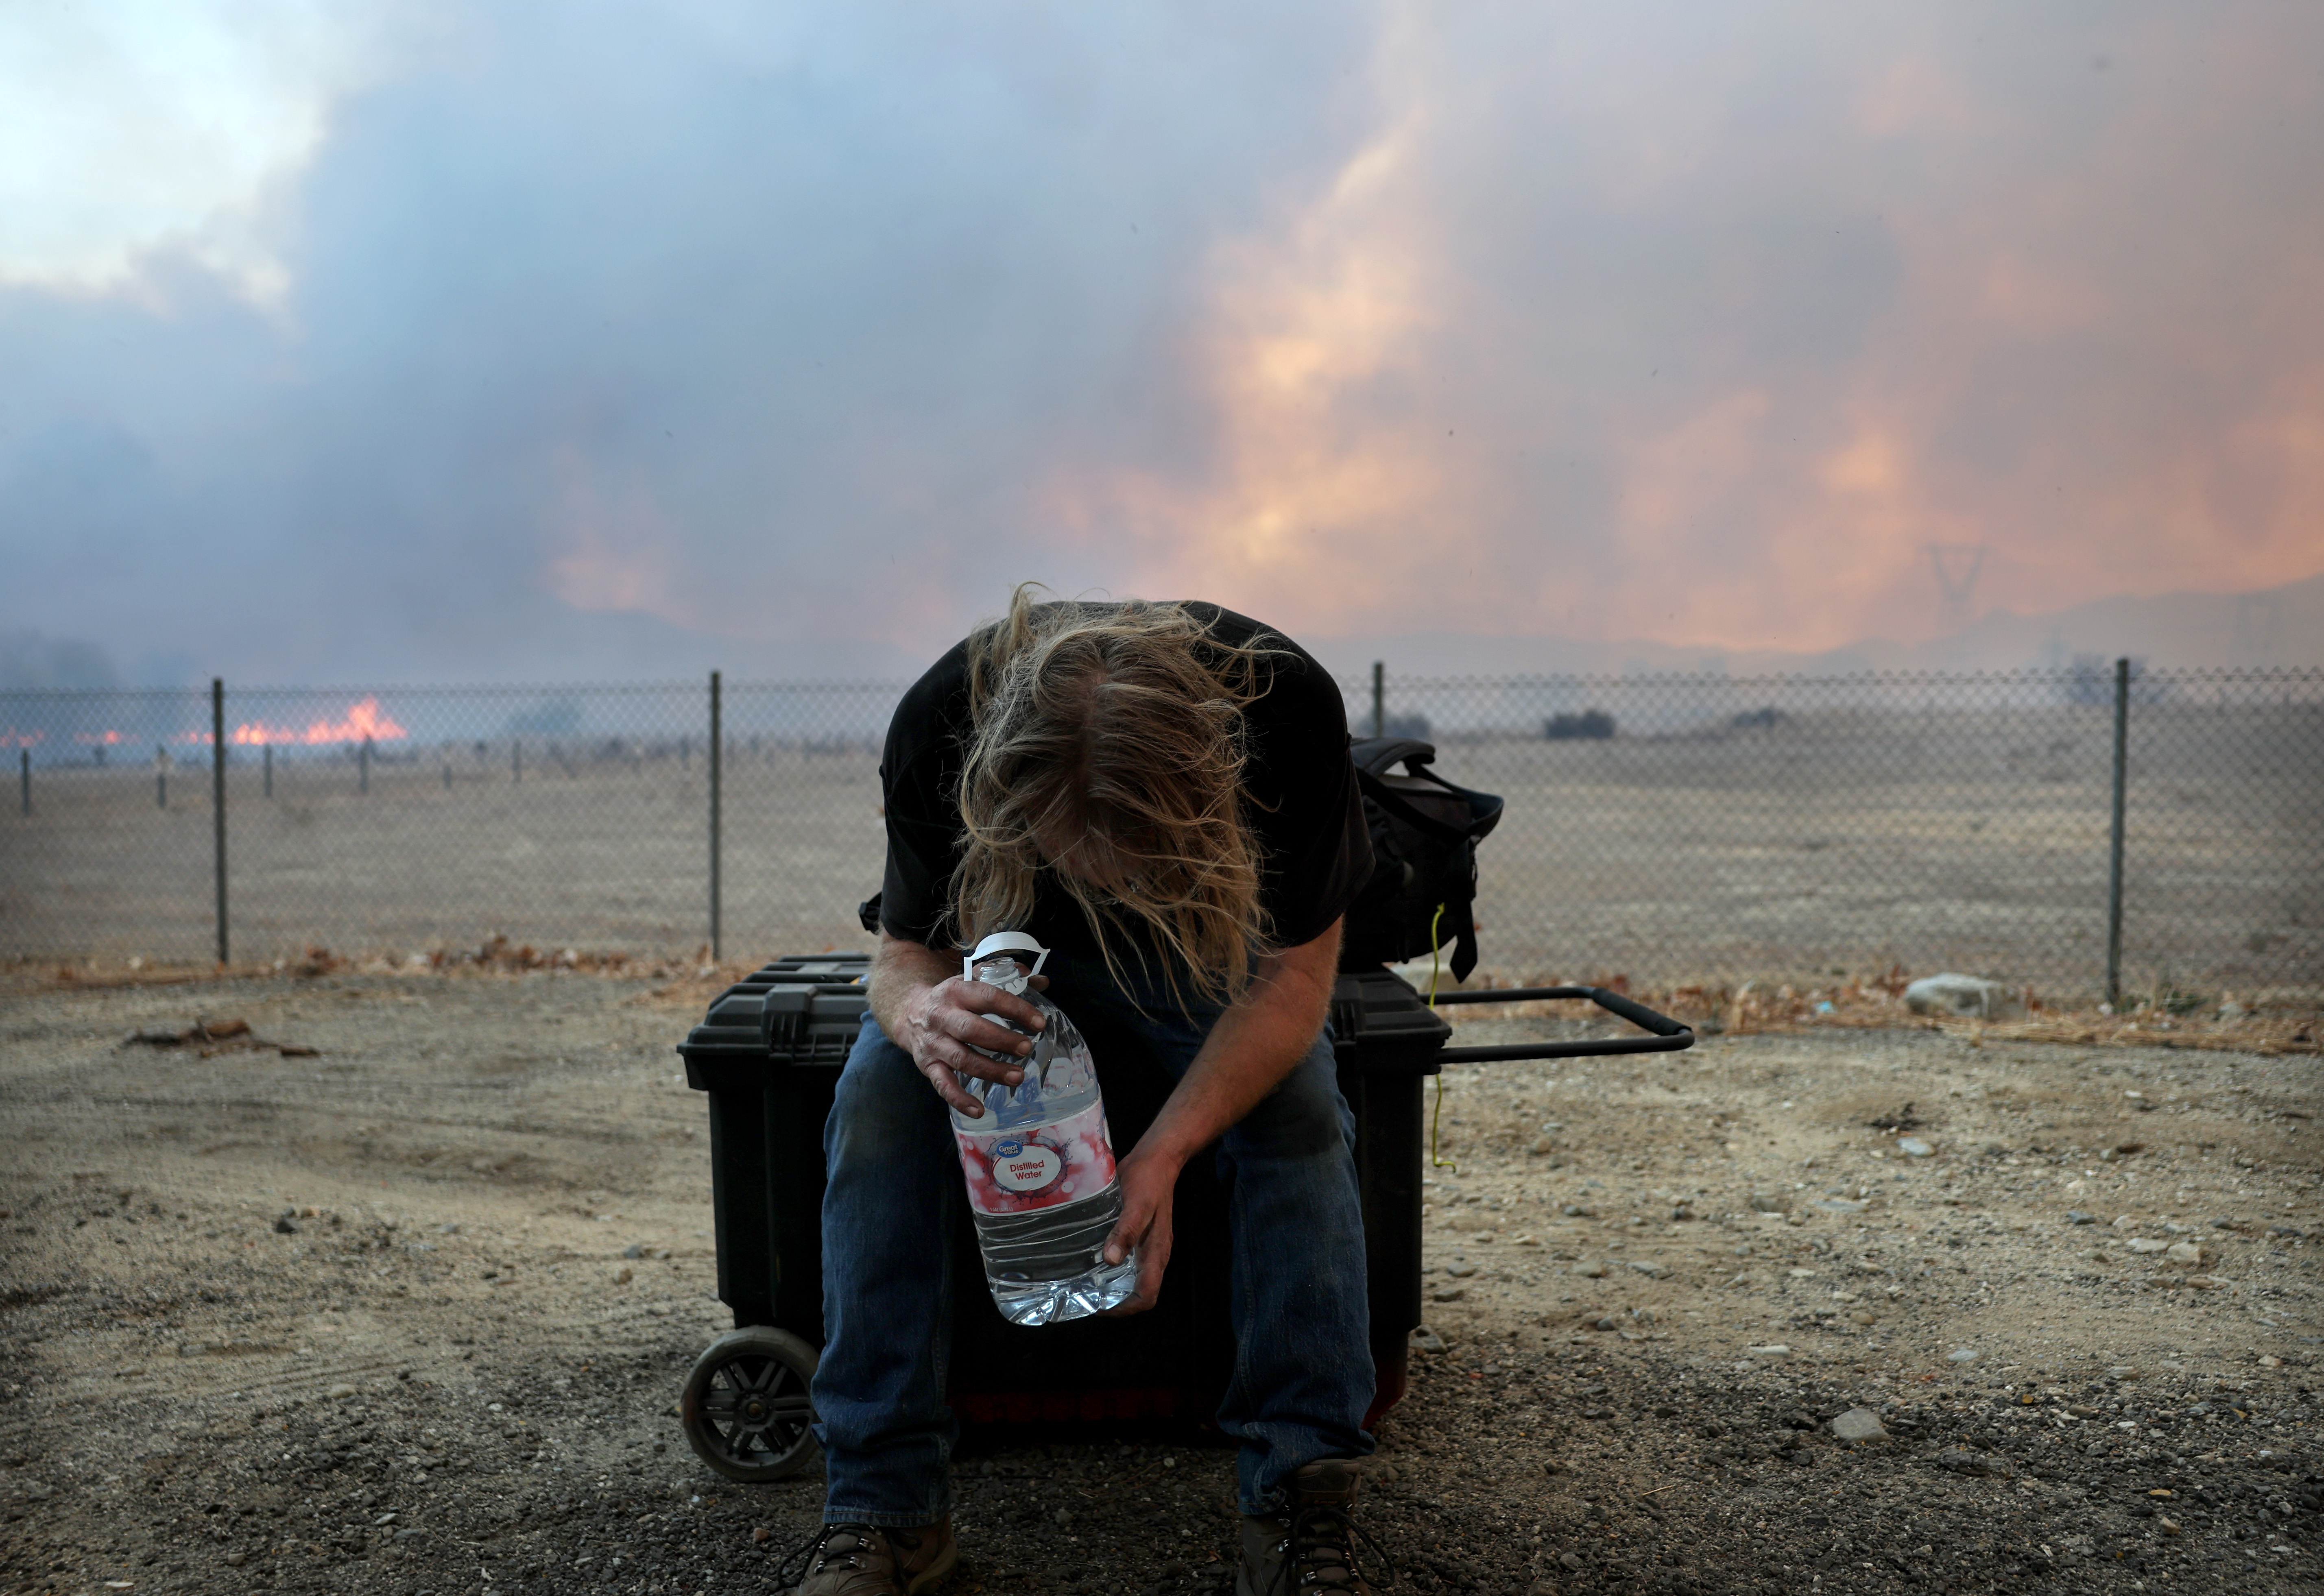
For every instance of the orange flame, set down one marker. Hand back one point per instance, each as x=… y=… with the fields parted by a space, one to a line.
x=363 y=721
x=13 y=739
x=94 y=738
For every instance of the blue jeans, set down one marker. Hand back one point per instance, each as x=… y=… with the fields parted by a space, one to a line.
x=1303 y=1373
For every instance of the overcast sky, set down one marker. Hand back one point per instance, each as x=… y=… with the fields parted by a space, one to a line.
x=428 y=341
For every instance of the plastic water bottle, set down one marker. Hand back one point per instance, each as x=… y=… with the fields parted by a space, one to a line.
x=1039 y=1162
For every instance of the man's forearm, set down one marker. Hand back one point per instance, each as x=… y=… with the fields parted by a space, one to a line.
x=1259 y=1040
x=900 y=972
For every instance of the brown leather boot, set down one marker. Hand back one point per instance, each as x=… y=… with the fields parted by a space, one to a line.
x=863 y=1560
x=1310 y=1550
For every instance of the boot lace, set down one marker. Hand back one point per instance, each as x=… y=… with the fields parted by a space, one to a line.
x=802 y=1559
x=1319 y=1555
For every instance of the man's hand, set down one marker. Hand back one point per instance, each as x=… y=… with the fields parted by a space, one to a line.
x=1148 y=1179
x=938 y=1018
x=945 y=1023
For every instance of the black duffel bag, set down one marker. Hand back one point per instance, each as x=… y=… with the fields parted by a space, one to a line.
x=1422 y=892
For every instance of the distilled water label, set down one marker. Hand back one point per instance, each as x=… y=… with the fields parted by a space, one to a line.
x=1026 y=1168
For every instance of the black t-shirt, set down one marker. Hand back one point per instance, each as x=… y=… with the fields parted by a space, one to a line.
x=1299 y=786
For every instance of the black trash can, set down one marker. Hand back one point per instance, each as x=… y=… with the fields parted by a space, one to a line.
x=768 y=1054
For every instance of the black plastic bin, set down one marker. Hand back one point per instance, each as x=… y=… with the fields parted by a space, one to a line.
x=768 y=1054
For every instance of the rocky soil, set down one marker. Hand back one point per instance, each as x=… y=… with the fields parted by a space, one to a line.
x=409 y=1314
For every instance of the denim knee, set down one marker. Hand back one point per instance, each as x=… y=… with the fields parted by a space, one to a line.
x=882 y=1108
x=1305 y=1117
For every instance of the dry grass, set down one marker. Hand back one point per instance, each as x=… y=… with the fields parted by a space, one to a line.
x=2287 y=1023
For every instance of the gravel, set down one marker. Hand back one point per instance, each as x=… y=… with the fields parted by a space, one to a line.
x=463 y=1357
x=1857 y=1424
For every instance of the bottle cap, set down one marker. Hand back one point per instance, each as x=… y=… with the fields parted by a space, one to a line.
x=1004 y=942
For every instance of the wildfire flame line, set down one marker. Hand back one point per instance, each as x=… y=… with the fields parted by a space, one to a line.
x=361 y=721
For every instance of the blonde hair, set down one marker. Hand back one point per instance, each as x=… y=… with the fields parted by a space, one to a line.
x=1120 y=727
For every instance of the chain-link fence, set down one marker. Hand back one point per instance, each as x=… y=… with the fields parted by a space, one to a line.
x=402 y=820
x=1687 y=827
x=1669 y=828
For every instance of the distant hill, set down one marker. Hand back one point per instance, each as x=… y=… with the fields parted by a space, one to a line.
x=2277 y=626
x=539 y=641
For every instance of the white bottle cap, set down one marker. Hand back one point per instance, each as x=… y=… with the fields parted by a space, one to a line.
x=1004 y=942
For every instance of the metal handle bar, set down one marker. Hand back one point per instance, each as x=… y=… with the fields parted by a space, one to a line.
x=1667 y=1034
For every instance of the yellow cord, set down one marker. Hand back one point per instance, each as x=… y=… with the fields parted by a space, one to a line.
x=1438 y=1114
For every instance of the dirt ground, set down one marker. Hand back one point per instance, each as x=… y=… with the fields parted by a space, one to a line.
x=411 y=1314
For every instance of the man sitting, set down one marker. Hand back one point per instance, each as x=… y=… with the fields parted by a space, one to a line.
x=1161 y=794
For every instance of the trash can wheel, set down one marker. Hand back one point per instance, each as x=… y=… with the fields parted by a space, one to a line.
x=745 y=1408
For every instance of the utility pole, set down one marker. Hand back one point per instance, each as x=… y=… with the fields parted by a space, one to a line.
x=717 y=763
x=2114 y=852
x=218 y=801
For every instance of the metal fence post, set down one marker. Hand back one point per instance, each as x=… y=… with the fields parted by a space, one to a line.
x=25 y=777
x=516 y=761
x=267 y=752
x=363 y=766
x=717 y=750
x=2114 y=853
x=217 y=800
x=1379 y=698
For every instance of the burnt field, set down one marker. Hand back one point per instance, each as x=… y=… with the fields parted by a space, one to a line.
x=1834 y=839
x=410 y=1313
